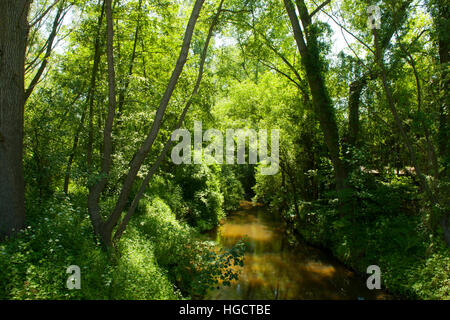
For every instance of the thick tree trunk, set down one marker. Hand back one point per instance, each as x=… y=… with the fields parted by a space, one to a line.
x=13 y=41
x=327 y=120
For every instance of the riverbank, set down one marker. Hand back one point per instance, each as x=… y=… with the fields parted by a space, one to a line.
x=274 y=269
x=412 y=267
x=153 y=260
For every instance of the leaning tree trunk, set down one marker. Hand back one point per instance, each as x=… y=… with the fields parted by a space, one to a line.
x=102 y=228
x=308 y=47
x=13 y=41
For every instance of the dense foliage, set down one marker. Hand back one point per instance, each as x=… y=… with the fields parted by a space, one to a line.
x=364 y=149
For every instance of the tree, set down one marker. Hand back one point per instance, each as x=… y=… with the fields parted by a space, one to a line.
x=440 y=12
x=13 y=42
x=90 y=100
x=309 y=49
x=104 y=229
x=59 y=17
x=131 y=210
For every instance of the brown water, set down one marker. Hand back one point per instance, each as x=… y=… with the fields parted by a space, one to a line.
x=274 y=269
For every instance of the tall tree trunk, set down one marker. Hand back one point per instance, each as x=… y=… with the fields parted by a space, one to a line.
x=140 y=156
x=440 y=11
x=356 y=88
x=51 y=38
x=444 y=128
x=90 y=144
x=90 y=101
x=322 y=103
x=96 y=190
x=102 y=228
x=162 y=155
x=13 y=42
x=432 y=156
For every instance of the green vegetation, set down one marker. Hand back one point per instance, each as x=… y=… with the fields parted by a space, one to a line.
x=86 y=175
x=160 y=257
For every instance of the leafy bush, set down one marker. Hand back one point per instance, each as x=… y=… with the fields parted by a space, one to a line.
x=436 y=274
x=231 y=188
x=158 y=257
x=202 y=194
x=414 y=263
x=193 y=265
x=34 y=264
x=138 y=274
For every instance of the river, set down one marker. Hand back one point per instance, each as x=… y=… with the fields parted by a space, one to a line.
x=274 y=269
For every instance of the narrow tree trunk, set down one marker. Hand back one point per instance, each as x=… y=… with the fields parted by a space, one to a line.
x=444 y=48
x=90 y=144
x=399 y=122
x=96 y=190
x=432 y=157
x=161 y=157
x=13 y=42
x=105 y=228
x=51 y=38
x=130 y=71
x=148 y=143
x=294 y=194
x=90 y=101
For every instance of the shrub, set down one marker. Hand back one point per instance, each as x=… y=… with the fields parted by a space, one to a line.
x=202 y=194
x=194 y=266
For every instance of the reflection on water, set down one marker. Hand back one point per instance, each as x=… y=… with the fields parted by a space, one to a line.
x=274 y=270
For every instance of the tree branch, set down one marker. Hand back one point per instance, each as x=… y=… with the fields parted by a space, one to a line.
x=168 y=144
x=319 y=8
x=51 y=38
x=142 y=153
x=39 y=18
